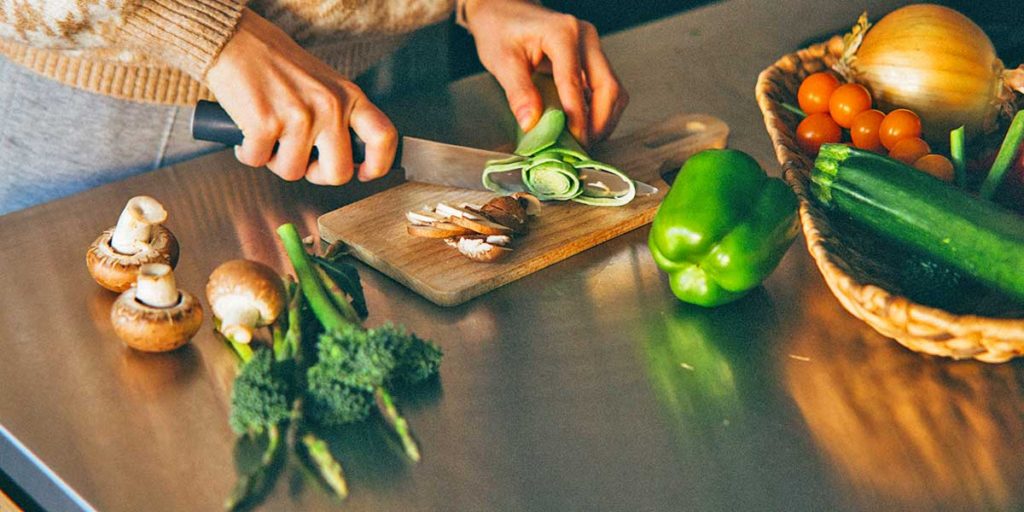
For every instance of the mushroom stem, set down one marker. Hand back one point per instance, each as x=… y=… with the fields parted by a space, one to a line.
x=238 y=317
x=156 y=286
x=133 y=229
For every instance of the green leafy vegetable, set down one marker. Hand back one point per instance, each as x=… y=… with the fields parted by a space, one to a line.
x=261 y=396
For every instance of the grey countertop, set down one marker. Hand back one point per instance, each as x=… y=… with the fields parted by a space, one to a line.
x=585 y=386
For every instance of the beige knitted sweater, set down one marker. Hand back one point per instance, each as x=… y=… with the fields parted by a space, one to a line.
x=159 y=50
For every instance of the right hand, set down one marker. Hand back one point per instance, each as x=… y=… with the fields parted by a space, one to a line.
x=278 y=93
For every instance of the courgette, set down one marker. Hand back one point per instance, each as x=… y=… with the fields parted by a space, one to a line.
x=907 y=206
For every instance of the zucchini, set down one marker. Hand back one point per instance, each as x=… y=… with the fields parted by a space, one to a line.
x=907 y=206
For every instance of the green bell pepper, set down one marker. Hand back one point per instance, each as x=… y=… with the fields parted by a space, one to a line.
x=722 y=228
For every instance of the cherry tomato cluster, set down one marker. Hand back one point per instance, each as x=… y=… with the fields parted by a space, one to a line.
x=832 y=106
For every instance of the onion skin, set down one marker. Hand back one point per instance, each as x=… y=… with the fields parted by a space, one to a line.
x=936 y=62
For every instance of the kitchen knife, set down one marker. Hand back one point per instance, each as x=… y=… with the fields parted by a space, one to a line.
x=423 y=160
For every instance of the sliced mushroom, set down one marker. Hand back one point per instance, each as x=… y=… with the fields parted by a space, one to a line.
x=500 y=240
x=244 y=295
x=154 y=315
x=447 y=210
x=507 y=211
x=480 y=250
x=115 y=257
x=423 y=217
x=528 y=201
x=482 y=226
x=438 y=230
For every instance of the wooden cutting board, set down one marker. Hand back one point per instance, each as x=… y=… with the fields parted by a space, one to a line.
x=374 y=228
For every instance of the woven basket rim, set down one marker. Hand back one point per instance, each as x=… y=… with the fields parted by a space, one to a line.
x=917 y=326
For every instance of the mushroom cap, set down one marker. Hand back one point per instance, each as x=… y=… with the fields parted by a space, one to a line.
x=117 y=272
x=151 y=329
x=246 y=281
x=507 y=211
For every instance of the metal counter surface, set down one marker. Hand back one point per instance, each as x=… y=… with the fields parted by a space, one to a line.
x=585 y=386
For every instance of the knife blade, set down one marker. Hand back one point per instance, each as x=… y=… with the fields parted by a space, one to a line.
x=423 y=160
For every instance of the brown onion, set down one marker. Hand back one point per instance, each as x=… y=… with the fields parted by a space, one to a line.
x=936 y=62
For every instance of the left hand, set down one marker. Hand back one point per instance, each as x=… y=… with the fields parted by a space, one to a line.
x=515 y=38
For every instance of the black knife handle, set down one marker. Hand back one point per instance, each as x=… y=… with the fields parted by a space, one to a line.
x=211 y=123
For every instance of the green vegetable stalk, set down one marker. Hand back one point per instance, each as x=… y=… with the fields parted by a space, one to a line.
x=1004 y=158
x=554 y=167
x=723 y=227
x=354 y=365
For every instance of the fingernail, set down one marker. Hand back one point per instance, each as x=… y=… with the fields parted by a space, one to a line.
x=524 y=115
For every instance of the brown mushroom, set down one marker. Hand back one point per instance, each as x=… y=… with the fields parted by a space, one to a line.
x=507 y=211
x=244 y=295
x=115 y=257
x=154 y=315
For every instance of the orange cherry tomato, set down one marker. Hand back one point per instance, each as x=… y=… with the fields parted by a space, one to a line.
x=815 y=130
x=909 y=150
x=815 y=92
x=898 y=125
x=864 y=130
x=847 y=101
x=936 y=165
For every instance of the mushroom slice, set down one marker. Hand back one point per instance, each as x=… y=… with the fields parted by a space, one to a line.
x=155 y=316
x=423 y=217
x=529 y=202
x=507 y=211
x=502 y=240
x=244 y=295
x=115 y=257
x=438 y=230
x=482 y=226
x=447 y=210
x=478 y=249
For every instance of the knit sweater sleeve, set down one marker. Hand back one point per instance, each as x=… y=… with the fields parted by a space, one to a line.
x=186 y=34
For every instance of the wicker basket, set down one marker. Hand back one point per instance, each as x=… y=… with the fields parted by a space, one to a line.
x=992 y=339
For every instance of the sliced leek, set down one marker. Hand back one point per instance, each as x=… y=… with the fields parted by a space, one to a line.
x=549 y=165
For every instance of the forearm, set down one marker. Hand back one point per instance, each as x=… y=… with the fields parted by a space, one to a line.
x=187 y=34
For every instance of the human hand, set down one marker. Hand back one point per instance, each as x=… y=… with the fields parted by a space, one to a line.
x=276 y=92
x=514 y=38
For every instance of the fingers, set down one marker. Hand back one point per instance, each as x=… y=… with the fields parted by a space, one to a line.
x=296 y=142
x=334 y=163
x=607 y=99
x=513 y=73
x=258 y=143
x=564 y=52
x=379 y=135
